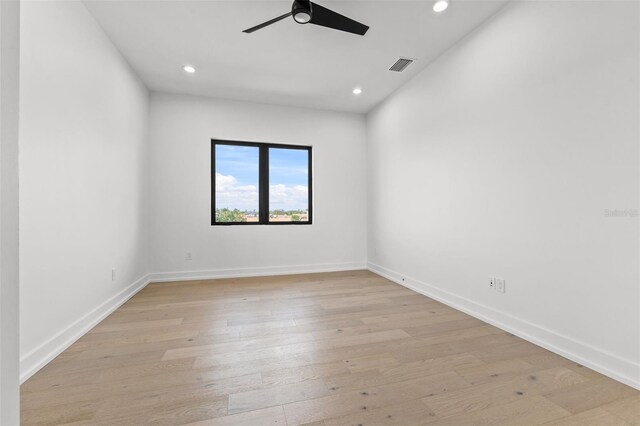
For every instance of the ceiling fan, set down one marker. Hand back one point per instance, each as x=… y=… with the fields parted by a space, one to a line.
x=308 y=12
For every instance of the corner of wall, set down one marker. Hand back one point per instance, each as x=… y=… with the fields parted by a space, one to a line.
x=33 y=361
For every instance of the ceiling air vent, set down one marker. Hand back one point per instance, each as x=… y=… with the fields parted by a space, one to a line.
x=401 y=64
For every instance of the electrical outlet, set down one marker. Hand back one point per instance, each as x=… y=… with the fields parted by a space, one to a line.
x=188 y=256
x=113 y=274
x=501 y=285
x=492 y=283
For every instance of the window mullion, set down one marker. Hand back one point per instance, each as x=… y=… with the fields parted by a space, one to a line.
x=264 y=184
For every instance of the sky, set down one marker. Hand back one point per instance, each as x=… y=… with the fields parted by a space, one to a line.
x=237 y=178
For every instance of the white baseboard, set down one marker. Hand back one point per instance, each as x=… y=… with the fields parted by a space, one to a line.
x=47 y=351
x=255 y=272
x=622 y=370
x=43 y=354
x=617 y=368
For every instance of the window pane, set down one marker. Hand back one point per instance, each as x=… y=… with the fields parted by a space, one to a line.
x=288 y=185
x=237 y=183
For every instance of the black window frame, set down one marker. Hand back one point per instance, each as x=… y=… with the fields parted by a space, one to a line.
x=263 y=181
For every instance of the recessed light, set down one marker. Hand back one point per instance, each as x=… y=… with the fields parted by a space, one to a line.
x=440 y=6
x=189 y=69
x=357 y=91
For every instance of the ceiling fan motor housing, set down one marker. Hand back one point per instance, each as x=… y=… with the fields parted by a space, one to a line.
x=301 y=11
x=307 y=12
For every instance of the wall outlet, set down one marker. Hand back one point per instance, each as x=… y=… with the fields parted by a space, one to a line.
x=498 y=284
x=113 y=274
x=188 y=256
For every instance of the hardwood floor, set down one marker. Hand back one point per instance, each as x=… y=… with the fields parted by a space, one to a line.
x=348 y=348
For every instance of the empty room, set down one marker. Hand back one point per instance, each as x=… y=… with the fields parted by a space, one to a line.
x=290 y=212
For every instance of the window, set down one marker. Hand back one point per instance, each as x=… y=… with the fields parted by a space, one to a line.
x=260 y=184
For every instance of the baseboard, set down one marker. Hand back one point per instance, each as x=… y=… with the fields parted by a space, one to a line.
x=622 y=370
x=604 y=362
x=47 y=351
x=43 y=354
x=255 y=272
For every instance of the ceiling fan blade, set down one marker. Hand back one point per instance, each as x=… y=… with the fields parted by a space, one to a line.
x=330 y=19
x=266 y=24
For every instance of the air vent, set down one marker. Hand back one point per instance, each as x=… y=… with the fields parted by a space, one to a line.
x=401 y=64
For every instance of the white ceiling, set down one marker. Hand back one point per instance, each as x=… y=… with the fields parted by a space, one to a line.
x=286 y=63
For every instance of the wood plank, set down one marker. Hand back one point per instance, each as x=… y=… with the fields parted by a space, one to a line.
x=590 y=394
x=534 y=410
x=371 y=362
x=346 y=403
x=273 y=416
x=277 y=395
x=627 y=409
x=407 y=371
x=498 y=370
x=486 y=395
x=405 y=413
x=298 y=374
x=593 y=417
x=66 y=413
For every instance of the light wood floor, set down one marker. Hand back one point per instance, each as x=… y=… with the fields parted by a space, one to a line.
x=347 y=348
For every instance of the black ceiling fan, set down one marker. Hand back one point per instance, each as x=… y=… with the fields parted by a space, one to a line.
x=308 y=12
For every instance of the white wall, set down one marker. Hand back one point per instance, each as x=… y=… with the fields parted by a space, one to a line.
x=180 y=133
x=501 y=158
x=83 y=178
x=9 y=290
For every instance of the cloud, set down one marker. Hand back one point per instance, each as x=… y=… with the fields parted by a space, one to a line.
x=230 y=194
x=288 y=197
x=234 y=196
x=224 y=181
